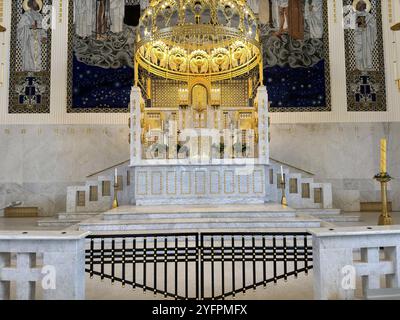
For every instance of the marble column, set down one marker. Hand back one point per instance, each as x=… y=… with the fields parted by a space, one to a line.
x=136 y=145
x=263 y=128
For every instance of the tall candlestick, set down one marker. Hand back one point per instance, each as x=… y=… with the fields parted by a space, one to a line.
x=383 y=156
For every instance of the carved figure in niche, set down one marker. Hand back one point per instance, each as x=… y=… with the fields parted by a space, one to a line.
x=240 y=54
x=31 y=35
x=178 y=59
x=158 y=54
x=199 y=62
x=220 y=60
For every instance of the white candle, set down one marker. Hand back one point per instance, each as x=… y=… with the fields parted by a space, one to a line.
x=116 y=175
x=282 y=174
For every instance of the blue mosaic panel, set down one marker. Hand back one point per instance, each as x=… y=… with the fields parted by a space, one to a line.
x=100 y=65
x=296 y=56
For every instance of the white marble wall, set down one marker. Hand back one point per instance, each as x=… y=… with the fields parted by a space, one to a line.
x=345 y=154
x=39 y=162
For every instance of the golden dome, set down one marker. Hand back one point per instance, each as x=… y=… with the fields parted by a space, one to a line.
x=179 y=39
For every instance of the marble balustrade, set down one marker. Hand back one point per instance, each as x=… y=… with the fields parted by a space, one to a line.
x=342 y=255
x=48 y=264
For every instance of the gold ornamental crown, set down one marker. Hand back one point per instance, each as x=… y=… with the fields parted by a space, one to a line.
x=179 y=39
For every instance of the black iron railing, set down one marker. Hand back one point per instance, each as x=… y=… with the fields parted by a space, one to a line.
x=198 y=266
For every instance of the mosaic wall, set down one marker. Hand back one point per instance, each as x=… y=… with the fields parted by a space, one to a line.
x=365 y=68
x=100 y=62
x=296 y=55
x=30 y=56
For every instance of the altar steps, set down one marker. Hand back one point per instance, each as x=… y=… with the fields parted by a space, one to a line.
x=250 y=211
x=330 y=215
x=203 y=224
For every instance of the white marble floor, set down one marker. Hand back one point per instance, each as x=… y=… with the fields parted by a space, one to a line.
x=294 y=289
x=367 y=219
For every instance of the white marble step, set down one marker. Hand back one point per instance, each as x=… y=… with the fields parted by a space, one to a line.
x=196 y=215
x=57 y=222
x=319 y=211
x=200 y=224
x=338 y=218
x=193 y=208
x=76 y=215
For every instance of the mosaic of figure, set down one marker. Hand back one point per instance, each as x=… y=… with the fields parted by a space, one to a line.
x=365 y=78
x=359 y=18
x=313 y=14
x=30 y=60
x=101 y=58
x=295 y=53
x=31 y=35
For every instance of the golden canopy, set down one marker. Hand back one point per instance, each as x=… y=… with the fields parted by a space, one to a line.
x=180 y=39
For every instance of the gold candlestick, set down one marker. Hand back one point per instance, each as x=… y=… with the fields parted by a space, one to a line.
x=115 y=201
x=283 y=186
x=384 y=219
x=383 y=156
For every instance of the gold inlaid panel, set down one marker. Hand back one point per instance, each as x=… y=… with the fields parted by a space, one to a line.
x=93 y=193
x=258 y=181
x=106 y=188
x=200 y=182
x=141 y=185
x=215 y=187
x=243 y=183
x=305 y=191
x=229 y=182
x=156 y=183
x=234 y=93
x=165 y=93
x=186 y=182
x=171 y=182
